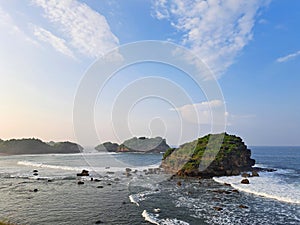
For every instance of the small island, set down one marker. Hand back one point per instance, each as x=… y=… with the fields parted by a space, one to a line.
x=141 y=144
x=232 y=158
x=36 y=146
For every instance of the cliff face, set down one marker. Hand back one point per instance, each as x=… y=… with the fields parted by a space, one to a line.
x=232 y=159
x=141 y=144
x=36 y=146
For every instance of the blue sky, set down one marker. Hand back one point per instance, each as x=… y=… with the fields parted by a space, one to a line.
x=252 y=47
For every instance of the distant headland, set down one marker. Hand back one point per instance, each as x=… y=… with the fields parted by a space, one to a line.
x=135 y=144
x=36 y=146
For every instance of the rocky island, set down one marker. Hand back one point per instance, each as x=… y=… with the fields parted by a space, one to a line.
x=141 y=144
x=36 y=146
x=232 y=158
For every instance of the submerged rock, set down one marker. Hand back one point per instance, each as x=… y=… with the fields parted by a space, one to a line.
x=83 y=173
x=217 y=208
x=243 y=207
x=80 y=182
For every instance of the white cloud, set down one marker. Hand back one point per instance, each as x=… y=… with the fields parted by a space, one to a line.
x=203 y=112
x=216 y=31
x=10 y=28
x=57 y=43
x=85 y=29
x=288 y=57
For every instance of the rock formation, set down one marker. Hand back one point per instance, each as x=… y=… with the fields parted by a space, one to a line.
x=232 y=158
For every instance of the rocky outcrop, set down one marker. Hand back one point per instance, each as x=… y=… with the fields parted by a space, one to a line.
x=141 y=144
x=36 y=146
x=232 y=158
x=107 y=146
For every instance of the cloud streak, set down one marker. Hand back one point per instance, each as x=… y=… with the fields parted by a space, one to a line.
x=288 y=57
x=216 y=31
x=57 y=43
x=84 y=29
x=202 y=113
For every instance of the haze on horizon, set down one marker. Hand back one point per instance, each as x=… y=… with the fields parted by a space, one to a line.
x=252 y=47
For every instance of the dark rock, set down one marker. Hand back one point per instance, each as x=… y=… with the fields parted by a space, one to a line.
x=245 y=181
x=217 y=208
x=97 y=180
x=80 y=182
x=35 y=174
x=109 y=184
x=35 y=171
x=179 y=183
x=99 y=222
x=255 y=173
x=245 y=175
x=232 y=158
x=235 y=191
x=128 y=170
x=92 y=179
x=110 y=172
x=100 y=186
x=243 y=207
x=35 y=190
x=117 y=179
x=83 y=173
x=226 y=184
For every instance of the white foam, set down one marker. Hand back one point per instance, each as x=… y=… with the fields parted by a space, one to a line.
x=41 y=165
x=134 y=200
x=267 y=185
x=151 y=218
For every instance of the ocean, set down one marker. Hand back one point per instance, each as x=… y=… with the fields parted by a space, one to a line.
x=145 y=195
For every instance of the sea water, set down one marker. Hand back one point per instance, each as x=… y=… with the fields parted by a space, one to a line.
x=143 y=196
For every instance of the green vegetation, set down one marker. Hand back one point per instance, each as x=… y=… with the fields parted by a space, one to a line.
x=107 y=146
x=223 y=153
x=141 y=144
x=36 y=146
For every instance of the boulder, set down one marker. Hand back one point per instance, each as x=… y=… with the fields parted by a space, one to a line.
x=245 y=175
x=217 y=208
x=80 y=182
x=243 y=207
x=83 y=173
x=245 y=181
x=255 y=173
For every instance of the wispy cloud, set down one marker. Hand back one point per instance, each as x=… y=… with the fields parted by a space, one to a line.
x=288 y=57
x=57 y=43
x=202 y=113
x=216 y=31
x=8 y=24
x=84 y=29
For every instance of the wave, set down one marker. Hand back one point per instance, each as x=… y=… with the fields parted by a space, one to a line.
x=42 y=165
x=153 y=218
x=73 y=168
x=142 y=196
x=266 y=185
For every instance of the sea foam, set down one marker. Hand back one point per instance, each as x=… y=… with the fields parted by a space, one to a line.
x=266 y=185
x=152 y=218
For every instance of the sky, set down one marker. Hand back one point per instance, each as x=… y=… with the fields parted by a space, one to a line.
x=252 y=49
